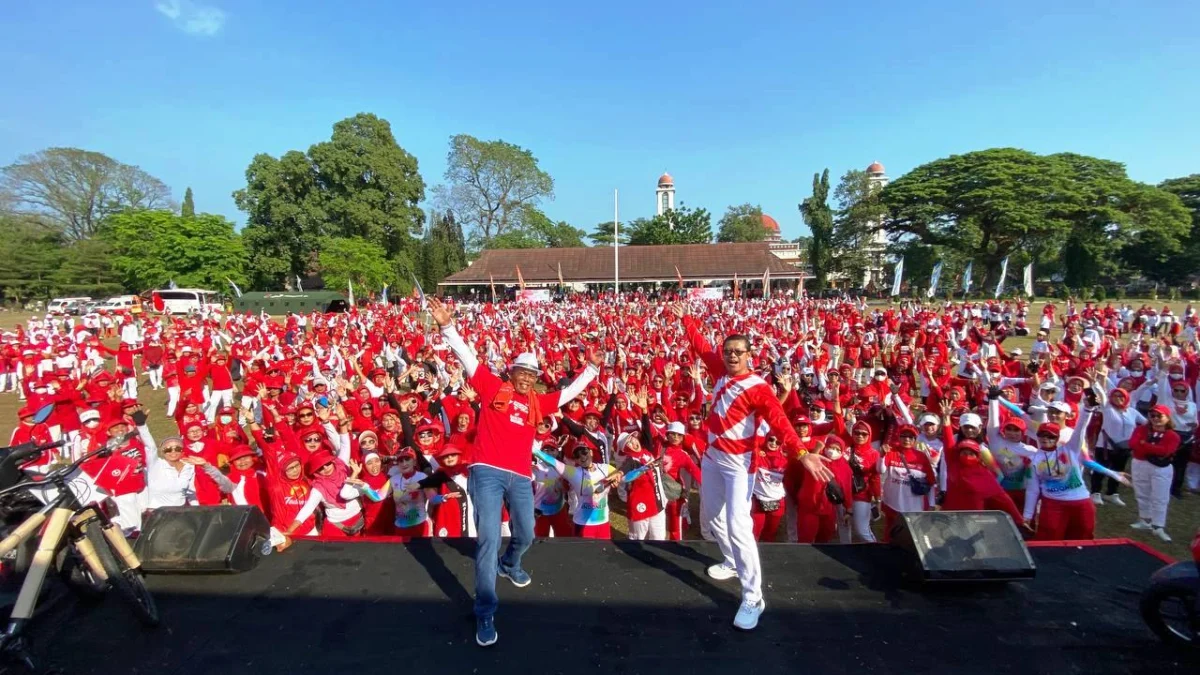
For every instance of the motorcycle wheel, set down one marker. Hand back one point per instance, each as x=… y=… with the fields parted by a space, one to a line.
x=1171 y=614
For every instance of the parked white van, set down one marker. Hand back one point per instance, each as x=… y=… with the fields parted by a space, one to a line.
x=186 y=301
x=60 y=305
x=117 y=303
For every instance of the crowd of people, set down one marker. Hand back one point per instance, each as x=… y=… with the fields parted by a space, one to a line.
x=364 y=423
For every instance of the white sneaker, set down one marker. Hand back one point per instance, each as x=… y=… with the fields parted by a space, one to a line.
x=1141 y=525
x=1112 y=499
x=747 y=615
x=1161 y=534
x=722 y=572
x=1097 y=499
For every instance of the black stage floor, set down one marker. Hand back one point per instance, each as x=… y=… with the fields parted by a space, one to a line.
x=619 y=608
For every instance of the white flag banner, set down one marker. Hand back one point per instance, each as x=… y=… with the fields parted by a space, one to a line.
x=934 y=279
x=1029 y=280
x=350 y=288
x=1003 y=273
x=237 y=291
x=967 y=276
x=896 y=278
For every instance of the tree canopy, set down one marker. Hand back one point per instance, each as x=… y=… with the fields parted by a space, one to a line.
x=819 y=218
x=73 y=190
x=681 y=225
x=602 y=233
x=346 y=259
x=742 y=224
x=536 y=230
x=489 y=184
x=148 y=249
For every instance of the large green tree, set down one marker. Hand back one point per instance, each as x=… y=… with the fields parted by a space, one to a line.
x=1159 y=263
x=819 y=218
x=355 y=259
x=148 y=249
x=860 y=213
x=32 y=256
x=742 y=223
x=489 y=184
x=681 y=225
x=359 y=184
x=86 y=269
x=443 y=252
x=536 y=230
x=73 y=190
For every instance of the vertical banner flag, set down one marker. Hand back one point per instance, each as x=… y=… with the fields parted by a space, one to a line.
x=492 y=283
x=420 y=293
x=560 y=278
x=679 y=276
x=967 y=277
x=171 y=285
x=236 y=291
x=737 y=289
x=767 y=283
x=299 y=286
x=1003 y=273
x=383 y=299
x=897 y=276
x=350 y=288
x=934 y=279
x=520 y=278
x=1029 y=280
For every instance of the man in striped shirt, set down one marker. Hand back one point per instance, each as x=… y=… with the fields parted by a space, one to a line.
x=742 y=402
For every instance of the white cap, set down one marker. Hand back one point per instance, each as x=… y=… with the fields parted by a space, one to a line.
x=1049 y=385
x=676 y=428
x=527 y=361
x=1061 y=407
x=623 y=440
x=970 y=420
x=89 y=416
x=929 y=418
x=1016 y=352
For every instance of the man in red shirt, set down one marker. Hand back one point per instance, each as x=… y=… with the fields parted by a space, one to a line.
x=502 y=466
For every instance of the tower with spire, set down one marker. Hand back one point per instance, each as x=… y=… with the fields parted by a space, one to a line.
x=665 y=194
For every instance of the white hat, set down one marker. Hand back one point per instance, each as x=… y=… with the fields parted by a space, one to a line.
x=970 y=420
x=1049 y=385
x=1016 y=352
x=929 y=418
x=623 y=440
x=1061 y=407
x=676 y=428
x=89 y=416
x=369 y=456
x=527 y=361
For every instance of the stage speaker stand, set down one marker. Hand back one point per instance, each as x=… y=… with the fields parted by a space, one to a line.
x=964 y=546
x=204 y=539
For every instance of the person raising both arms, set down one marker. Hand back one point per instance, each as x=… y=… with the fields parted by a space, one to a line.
x=502 y=464
x=741 y=401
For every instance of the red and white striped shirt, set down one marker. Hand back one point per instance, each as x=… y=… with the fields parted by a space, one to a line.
x=741 y=405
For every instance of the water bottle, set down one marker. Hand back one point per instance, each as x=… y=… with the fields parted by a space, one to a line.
x=265 y=548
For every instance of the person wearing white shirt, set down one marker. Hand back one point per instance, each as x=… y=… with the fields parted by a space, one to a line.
x=171 y=477
x=1112 y=448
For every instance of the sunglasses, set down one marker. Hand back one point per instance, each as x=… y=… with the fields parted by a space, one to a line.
x=735 y=352
x=313 y=439
x=305 y=414
x=172 y=448
x=772 y=441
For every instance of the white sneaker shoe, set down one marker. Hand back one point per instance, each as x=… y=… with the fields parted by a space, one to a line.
x=1097 y=499
x=722 y=572
x=1161 y=534
x=1141 y=525
x=1115 y=500
x=747 y=615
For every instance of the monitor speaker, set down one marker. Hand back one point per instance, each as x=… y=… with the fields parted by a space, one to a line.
x=964 y=545
x=202 y=539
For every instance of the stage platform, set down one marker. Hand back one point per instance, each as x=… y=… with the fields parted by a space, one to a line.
x=618 y=608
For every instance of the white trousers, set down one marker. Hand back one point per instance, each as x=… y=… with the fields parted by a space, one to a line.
x=129 y=511
x=653 y=528
x=129 y=387
x=1192 y=477
x=216 y=400
x=862 y=522
x=725 y=506
x=1152 y=486
x=172 y=400
x=155 y=377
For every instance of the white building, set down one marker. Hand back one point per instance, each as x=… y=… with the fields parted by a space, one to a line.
x=789 y=252
x=876 y=242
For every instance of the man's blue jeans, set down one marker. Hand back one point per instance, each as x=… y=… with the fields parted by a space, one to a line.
x=490 y=488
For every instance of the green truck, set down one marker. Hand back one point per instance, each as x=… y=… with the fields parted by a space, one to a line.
x=282 y=302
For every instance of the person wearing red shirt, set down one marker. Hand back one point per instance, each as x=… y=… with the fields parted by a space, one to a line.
x=1154 y=446
x=221 y=392
x=503 y=461
x=677 y=460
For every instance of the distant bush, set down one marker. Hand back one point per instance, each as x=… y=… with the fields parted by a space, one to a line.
x=1100 y=293
x=1120 y=293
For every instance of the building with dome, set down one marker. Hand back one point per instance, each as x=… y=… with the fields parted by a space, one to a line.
x=665 y=194
x=789 y=252
x=876 y=241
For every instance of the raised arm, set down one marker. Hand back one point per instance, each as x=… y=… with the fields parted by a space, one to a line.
x=698 y=342
x=466 y=355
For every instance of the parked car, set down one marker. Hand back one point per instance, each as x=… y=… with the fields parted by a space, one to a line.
x=60 y=305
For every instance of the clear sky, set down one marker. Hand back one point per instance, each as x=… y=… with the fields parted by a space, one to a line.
x=739 y=101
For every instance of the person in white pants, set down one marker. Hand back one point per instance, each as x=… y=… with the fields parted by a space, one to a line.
x=742 y=401
x=653 y=528
x=1154 y=446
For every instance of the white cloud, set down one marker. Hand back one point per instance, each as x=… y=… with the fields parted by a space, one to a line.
x=192 y=18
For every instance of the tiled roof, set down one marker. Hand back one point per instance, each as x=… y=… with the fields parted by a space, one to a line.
x=638 y=264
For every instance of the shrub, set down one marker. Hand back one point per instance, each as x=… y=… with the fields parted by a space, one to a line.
x=1120 y=293
x=1100 y=293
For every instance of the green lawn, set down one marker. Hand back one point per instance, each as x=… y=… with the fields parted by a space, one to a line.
x=1112 y=521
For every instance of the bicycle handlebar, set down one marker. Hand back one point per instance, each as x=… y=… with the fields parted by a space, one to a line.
x=59 y=474
x=25 y=451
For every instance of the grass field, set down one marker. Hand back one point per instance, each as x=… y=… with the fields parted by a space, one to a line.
x=1112 y=521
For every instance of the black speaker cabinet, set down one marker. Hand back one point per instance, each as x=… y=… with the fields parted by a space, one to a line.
x=965 y=545
x=202 y=539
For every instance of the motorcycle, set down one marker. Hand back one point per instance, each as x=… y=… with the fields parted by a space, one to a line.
x=1171 y=604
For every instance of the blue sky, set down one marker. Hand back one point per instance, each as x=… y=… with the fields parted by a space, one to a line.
x=741 y=102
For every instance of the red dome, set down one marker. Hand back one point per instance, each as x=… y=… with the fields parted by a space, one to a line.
x=769 y=223
x=875 y=167
x=665 y=180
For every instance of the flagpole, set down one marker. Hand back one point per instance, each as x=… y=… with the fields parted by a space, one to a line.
x=616 y=244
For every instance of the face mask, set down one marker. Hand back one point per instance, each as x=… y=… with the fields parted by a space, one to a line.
x=226 y=419
x=833 y=454
x=1135 y=373
x=880 y=378
x=1176 y=376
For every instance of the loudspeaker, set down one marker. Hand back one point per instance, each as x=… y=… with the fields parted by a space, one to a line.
x=202 y=539
x=965 y=545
